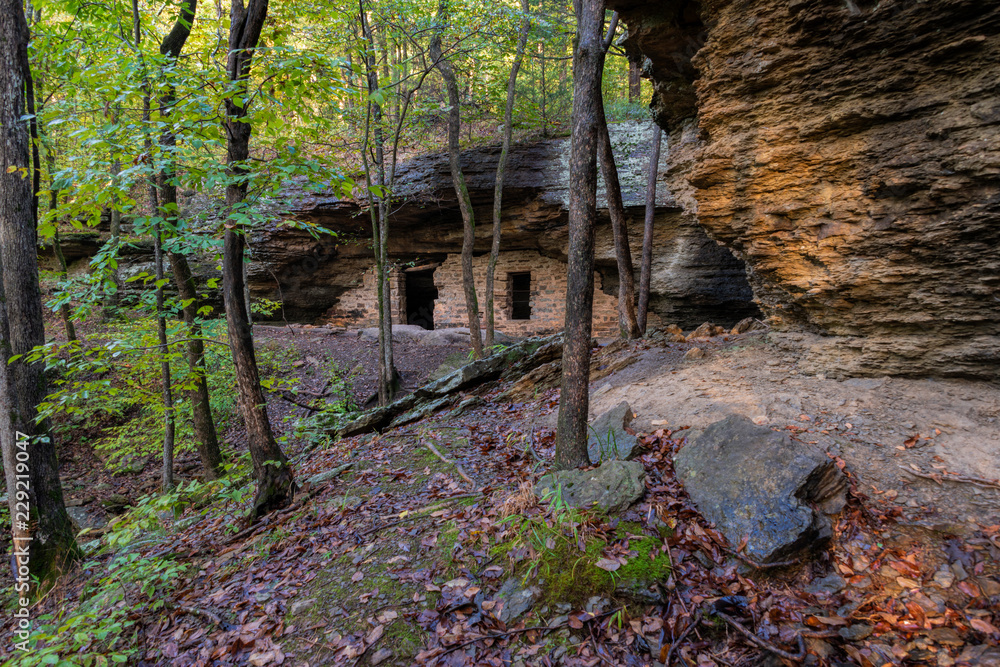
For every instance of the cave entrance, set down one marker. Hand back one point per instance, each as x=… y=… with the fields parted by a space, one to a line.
x=420 y=295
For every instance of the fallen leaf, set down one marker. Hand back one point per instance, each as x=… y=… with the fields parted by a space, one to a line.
x=357 y=576
x=608 y=564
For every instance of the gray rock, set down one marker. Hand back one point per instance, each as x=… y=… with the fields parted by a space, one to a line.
x=856 y=632
x=82 y=519
x=116 y=503
x=612 y=486
x=327 y=475
x=517 y=599
x=300 y=606
x=608 y=438
x=422 y=410
x=757 y=484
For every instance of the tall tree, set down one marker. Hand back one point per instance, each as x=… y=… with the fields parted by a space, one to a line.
x=202 y=422
x=379 y=212
x=508 y=113
x=646 y=265
x=447 y=70
x=574 y=398
x=275 y=484
x=627 y=324
x=52 y=544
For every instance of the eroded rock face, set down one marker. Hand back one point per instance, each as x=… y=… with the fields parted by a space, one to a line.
x=849 y=152
x=693 y=277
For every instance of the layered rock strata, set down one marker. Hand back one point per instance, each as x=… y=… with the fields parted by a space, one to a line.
x=849 y=152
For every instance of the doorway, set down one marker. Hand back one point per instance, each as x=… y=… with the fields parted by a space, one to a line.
x=420 y=295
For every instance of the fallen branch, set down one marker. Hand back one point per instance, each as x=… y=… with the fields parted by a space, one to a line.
x=541 y=628
x=434 y=450
x=415 y=514
x=955 y=477
x=675 y=643
x=766 y=645
x=194 y=611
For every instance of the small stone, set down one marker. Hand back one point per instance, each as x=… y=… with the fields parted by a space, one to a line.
x=856 y=632
x=959 y=571
x=300 y=606
x=944 y=578
x=517 y=600
x=381 y=656
x=694 y=353
x=828 y=585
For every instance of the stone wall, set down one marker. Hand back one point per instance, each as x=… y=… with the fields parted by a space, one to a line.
x=548 y=295
x=357 y=306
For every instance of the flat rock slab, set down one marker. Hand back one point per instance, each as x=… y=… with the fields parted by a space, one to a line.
x=612 y=486
x=608 y=439
x=758 y=484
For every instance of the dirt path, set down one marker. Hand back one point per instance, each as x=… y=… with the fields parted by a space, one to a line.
x=882 y=427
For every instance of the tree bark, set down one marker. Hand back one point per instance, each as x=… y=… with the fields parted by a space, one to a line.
x=458 y=180
x=169 y=421
x=627 y=325
x=571 y=437
x=52 y=545
x=634 y=81
x=646 y=266
x=379 y=212
x=508 y=114
x=275 y=484
x=202 y=422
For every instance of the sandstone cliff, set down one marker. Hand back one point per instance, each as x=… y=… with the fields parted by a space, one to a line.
x=849 y=152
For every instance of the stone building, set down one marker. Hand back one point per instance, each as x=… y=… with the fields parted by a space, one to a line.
x=530 y=296
x=331 y=279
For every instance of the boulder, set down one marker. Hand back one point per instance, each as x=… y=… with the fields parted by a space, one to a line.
x=612 y=486
x=706 y=330
x=608 y=438
x=757 y=484
x=747 y=324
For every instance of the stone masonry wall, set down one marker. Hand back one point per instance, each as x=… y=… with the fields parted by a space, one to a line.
x=548 y=295
x=357 y=306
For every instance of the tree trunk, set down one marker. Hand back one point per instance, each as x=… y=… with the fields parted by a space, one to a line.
x=275 y=484
x=646 y=266
x=52 y=545
x=203 y=424
x=64 y=312
x=627 y=325
x=574 y=399
x=169 y=422
x=508 y=114
x=458 y=179
x=379 y=212
x=634 y=81
x=201 y=409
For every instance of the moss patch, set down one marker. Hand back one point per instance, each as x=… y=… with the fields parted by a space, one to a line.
x=569 y=575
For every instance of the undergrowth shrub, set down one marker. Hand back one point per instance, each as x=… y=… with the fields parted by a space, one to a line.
x=114 y=381
x=103 y=625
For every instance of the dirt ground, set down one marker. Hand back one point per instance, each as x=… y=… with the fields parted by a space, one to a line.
x=886 y=429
